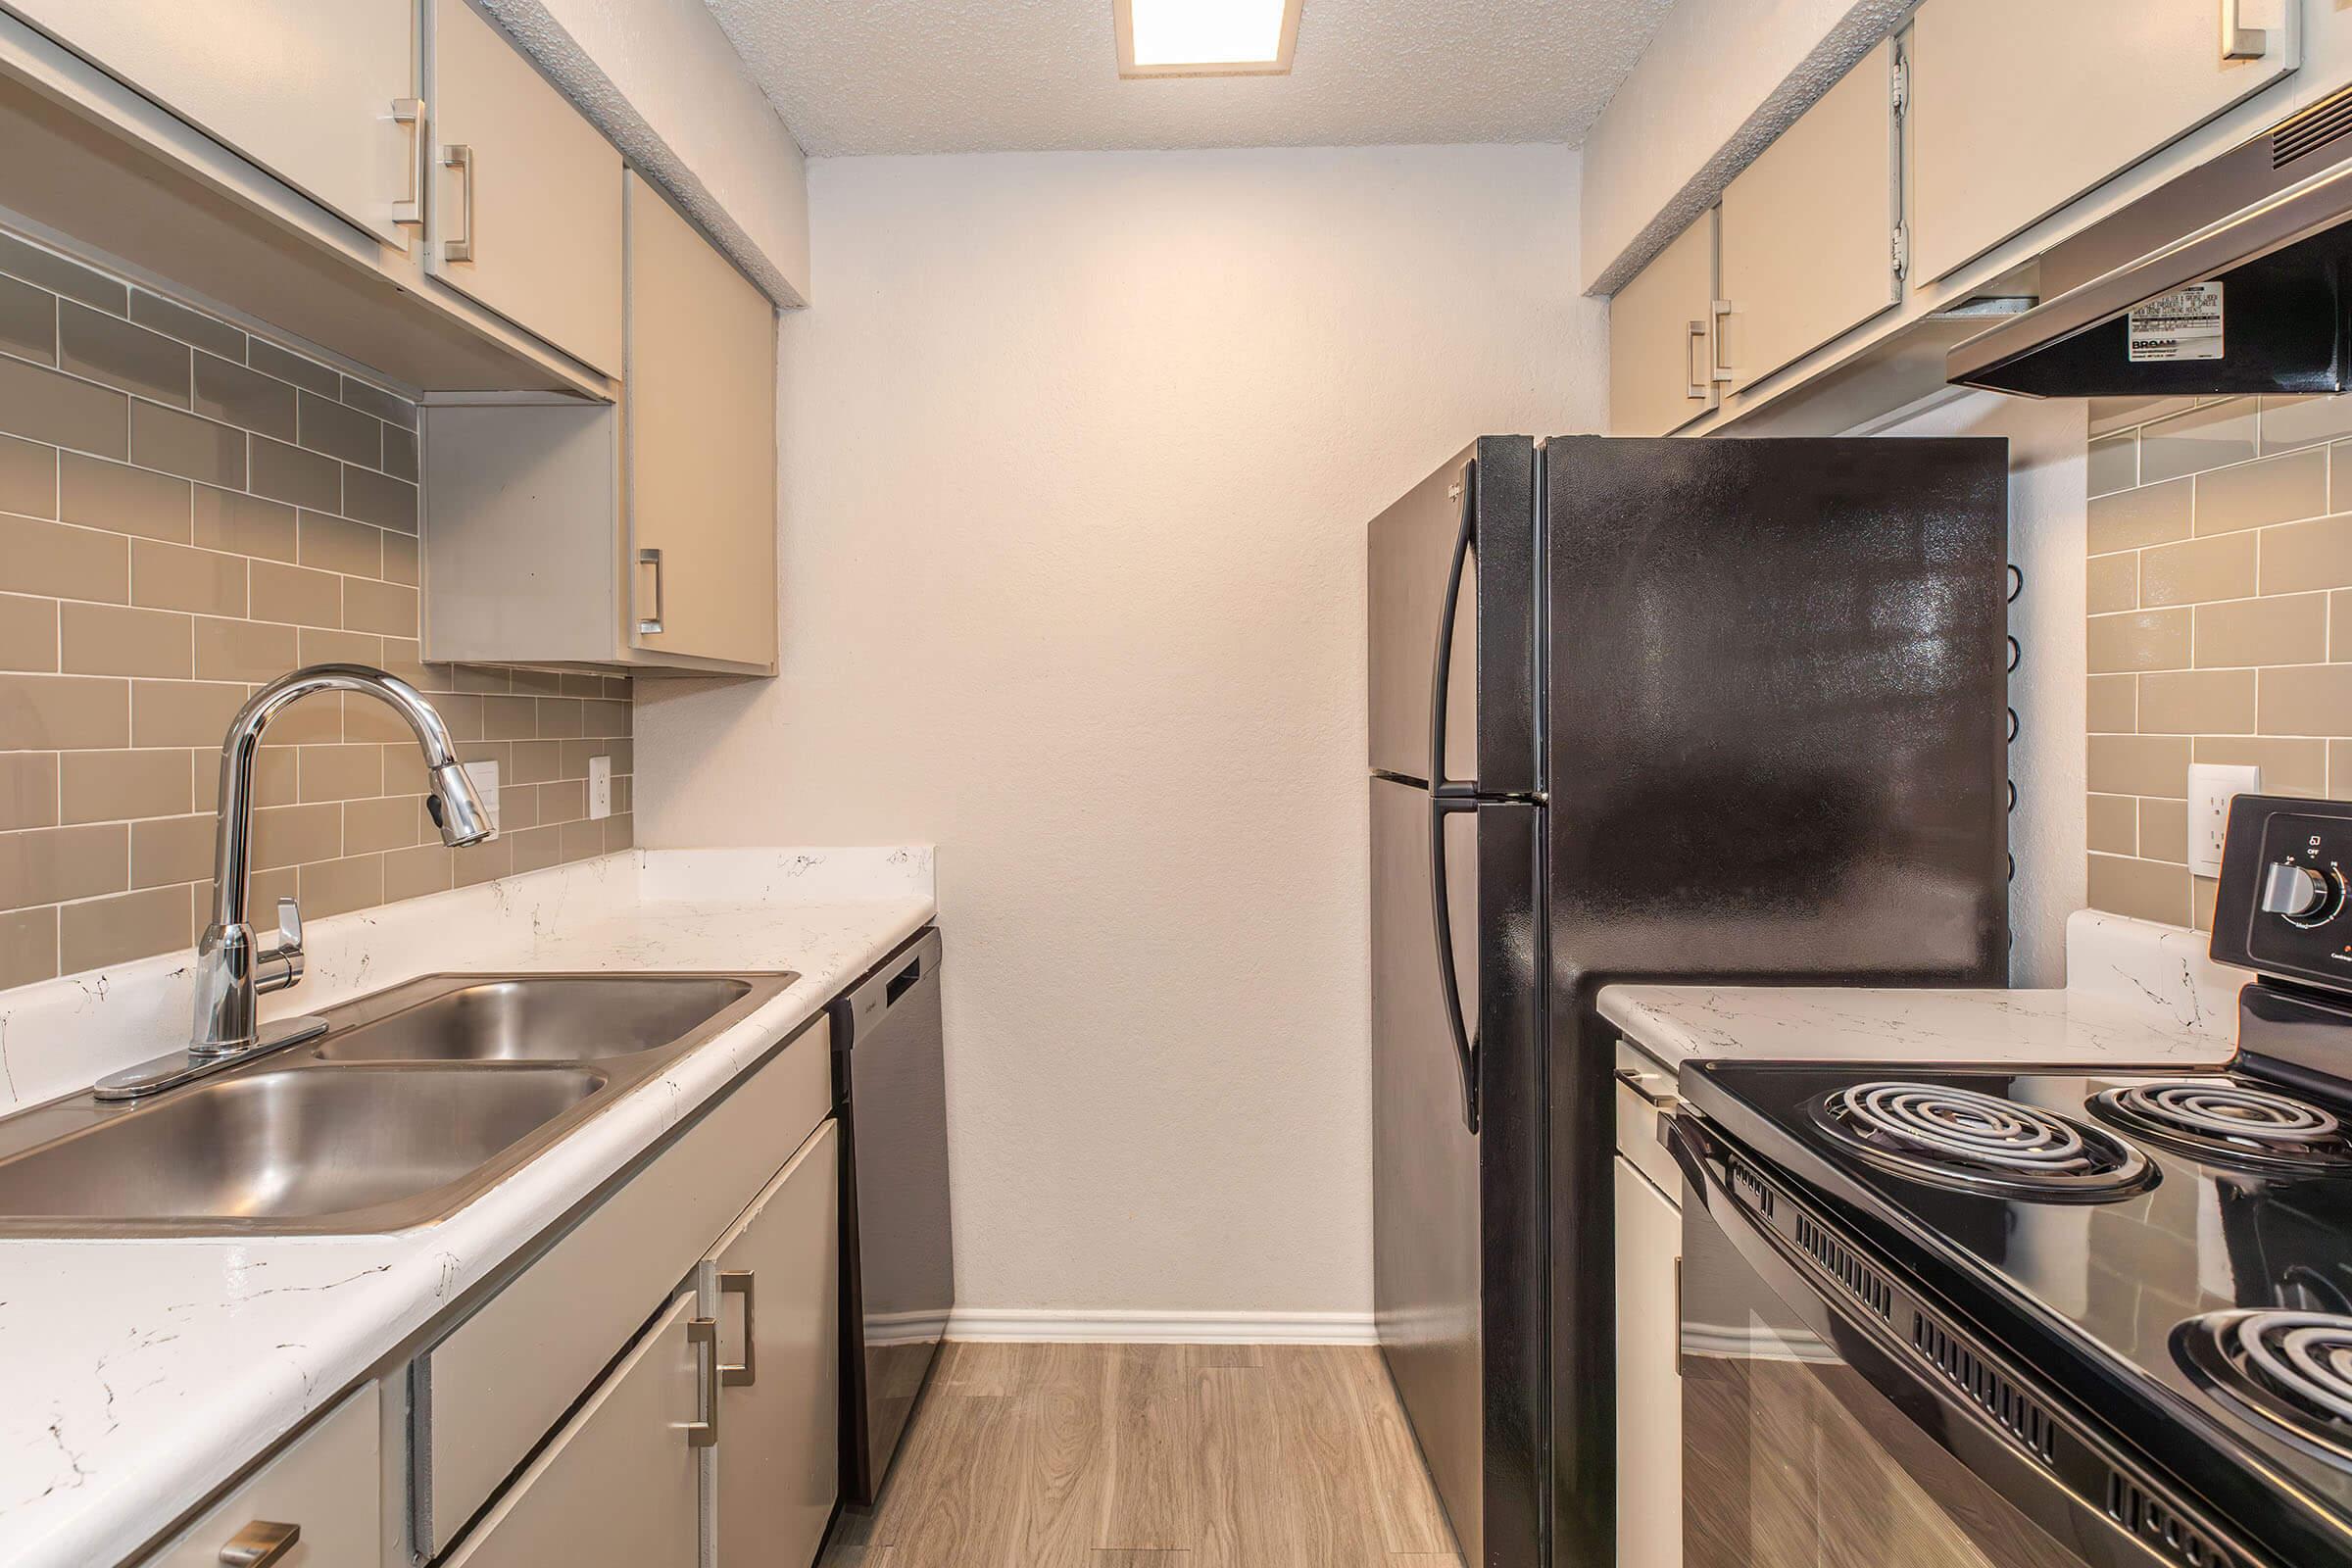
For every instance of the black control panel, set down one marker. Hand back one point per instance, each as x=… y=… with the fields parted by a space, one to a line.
x=2284 y=907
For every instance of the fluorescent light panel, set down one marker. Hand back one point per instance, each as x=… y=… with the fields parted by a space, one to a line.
x=1205 y=38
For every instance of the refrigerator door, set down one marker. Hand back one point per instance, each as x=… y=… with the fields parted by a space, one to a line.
x=1460 y=543
x=1777 y=686
x=1458 y=1263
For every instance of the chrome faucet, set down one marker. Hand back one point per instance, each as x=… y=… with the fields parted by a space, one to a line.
x=233 y=966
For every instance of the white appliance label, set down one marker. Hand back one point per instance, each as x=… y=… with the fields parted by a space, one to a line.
x=2187 y=325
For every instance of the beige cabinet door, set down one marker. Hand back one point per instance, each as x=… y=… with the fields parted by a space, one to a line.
x=1649 y=1384
x=699 y=410
x=2020 y=106
x=525 y=211
x=317 y=95
x=1808 y=229
x=1662 y=338
x=616 y=1485
x=779 y=1327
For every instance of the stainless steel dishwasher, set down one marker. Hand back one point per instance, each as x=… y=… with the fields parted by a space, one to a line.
x=898 y=1247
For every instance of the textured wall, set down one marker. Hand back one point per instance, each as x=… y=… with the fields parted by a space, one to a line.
x=186 y=512
x=2220 y=601
x=1078 y=455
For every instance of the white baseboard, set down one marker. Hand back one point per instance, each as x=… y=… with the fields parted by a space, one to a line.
x=1161 y=1328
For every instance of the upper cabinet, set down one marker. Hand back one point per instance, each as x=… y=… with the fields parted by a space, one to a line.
x=1662 y=339
x=526 y=208
x=323 y=96
x=1809 y=230
x=2020 y=106
x=700 y=416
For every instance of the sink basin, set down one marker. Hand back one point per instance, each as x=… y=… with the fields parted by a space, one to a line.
x=419 y=1100
x=290 y=1144
x=541 y=1018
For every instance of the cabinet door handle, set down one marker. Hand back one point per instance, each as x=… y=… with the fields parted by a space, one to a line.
x=1698 y=391
x=2239 y=41
x=409 y=211
x=746 y=1372
x=1678 y=1317
x=460 y=156
x=650 y=625
x=702 y=1333
x=259 y=1545
x=1723 y=373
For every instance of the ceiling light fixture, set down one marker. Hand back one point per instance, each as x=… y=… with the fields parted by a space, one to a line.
x=1205 y=38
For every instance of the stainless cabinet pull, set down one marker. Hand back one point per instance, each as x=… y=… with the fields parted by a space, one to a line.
x=460 y=156
x=650 y=625
x=1678 y=1317
x=1639 y=1083
x=259 y=1545
x=742 y=1374
x=1721 y=371
x=1698 y=391
x=2239 y=41
x=409 y=211
x=702 y=1333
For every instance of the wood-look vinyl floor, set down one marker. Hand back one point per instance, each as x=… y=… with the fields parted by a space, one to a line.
x=1154 y=1456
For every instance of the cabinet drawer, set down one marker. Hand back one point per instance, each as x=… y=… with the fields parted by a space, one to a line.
x=483 y=1395
x=328 y=1485
x=617 y=1486
x=1640 y=1117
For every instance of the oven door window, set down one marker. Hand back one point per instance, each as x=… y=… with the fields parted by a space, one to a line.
x=1793 y=1459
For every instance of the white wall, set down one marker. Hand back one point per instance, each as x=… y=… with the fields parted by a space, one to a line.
x=1078 y=453
x=662 y=82
x=1719 y=81
x=2048 y=450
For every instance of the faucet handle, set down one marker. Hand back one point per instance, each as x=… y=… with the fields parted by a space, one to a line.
x=289 y=929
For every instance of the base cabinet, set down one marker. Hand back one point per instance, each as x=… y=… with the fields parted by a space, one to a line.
x=777 y=1277
x=617 y=1486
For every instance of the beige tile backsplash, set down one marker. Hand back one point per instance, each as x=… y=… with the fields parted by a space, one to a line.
x=2220 y=605
x=186 y=512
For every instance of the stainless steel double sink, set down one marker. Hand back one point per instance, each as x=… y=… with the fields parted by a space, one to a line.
x=416 y=1100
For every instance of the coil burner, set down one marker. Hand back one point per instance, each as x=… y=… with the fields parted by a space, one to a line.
x=1982 y=1143
x=2229 y=1122
x=2291 y=1370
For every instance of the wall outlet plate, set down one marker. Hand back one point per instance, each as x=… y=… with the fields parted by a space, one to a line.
x=600 y=787
x=485 y=784
x=2210 y=787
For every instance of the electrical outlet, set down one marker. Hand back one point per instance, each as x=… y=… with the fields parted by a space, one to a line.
x=485 y=784
x=600 y=787
x=2209 y=790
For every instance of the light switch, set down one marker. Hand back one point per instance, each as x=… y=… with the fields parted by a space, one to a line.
x=2210 y=787
x=485 y=784
x=600 y=787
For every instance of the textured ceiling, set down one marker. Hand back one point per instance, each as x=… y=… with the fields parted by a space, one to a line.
x=853 y=77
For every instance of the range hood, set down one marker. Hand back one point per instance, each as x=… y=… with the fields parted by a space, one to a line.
x=2229 y=279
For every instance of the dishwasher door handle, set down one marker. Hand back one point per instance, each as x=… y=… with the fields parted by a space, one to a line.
x=870 y=1002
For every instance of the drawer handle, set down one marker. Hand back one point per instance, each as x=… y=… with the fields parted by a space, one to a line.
x=460 y=156
x=1639 y=1083
x=742 y=1374
x=702 y=1333
x=409 y=211
x=259 y=1545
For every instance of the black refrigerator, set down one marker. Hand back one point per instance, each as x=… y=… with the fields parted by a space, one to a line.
x=1641 y=710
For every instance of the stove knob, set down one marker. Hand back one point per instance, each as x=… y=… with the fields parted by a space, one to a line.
x=2293 y=891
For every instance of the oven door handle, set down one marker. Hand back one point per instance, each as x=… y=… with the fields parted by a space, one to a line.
x=1871 y=1322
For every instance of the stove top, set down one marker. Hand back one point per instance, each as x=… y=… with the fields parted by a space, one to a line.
x=2175 y=1249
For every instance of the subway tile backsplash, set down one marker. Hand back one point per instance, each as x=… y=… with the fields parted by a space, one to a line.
x=2220 y=629
x=187 y=512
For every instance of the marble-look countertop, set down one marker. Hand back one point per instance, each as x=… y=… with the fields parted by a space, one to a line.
x=140 y=1374
x=2135 y=993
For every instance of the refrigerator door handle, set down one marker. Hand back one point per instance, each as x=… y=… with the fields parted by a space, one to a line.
x=1447 y=797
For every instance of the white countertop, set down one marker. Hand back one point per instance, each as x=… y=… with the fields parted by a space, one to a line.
x=2136 y=993
x=141 y=1374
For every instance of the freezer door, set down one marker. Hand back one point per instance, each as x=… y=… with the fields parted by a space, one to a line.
x=1462 y=540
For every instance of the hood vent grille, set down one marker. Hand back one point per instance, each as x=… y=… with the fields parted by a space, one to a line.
x=2323 y=122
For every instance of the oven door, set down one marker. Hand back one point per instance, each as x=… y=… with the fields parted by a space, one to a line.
x=1834 y=1415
